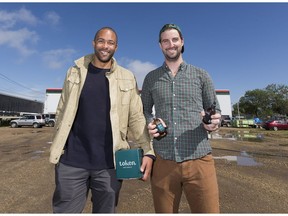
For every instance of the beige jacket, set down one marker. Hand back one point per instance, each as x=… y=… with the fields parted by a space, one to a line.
x=126 y=112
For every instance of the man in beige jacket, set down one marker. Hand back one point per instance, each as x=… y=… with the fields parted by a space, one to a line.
x=99 y=104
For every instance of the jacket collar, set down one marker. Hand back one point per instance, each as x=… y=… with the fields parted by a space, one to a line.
x=85 y=60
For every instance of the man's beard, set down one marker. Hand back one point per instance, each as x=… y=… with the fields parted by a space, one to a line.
x=173 y=58
x=106 y=58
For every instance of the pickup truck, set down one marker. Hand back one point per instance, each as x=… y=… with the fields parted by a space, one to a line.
x=49 y=119
x=225 y=121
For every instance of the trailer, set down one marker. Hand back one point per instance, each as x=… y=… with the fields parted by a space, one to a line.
x=243 y=123
x=51 y=100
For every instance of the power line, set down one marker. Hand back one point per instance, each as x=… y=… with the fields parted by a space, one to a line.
x=16 y=83
x=17 y=94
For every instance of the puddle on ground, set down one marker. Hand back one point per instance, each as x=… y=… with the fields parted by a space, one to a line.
x=38 y=152
x=240 y=136
x=243 y=160
x=36 y=131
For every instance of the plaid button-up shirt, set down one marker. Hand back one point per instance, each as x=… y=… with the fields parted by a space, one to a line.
x=178 y=101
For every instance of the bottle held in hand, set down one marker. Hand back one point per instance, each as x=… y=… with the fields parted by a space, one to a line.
x=160 y=127
x=208 y=113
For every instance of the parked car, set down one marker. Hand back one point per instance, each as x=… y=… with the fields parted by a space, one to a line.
x=276 y=125
x=35 y=121
x=49 y=119
x=225 y=121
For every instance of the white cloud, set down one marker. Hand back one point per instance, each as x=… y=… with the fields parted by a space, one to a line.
x=19 y=40
x=56 y=59
x=10 y=19
x=52 y=17
x=139 y=68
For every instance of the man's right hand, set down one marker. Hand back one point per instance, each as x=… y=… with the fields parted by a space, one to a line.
x=152 y=128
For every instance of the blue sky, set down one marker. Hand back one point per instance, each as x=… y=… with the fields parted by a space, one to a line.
x=243 y=46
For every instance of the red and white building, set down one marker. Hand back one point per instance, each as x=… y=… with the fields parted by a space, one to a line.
x=51 y=100
x=224 y=99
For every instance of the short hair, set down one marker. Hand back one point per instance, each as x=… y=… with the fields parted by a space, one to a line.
x=108 y=28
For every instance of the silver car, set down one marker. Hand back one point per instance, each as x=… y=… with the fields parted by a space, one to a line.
x=35 y=121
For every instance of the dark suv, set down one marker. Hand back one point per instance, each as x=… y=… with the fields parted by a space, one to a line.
x=35 y=121
x=49 y=119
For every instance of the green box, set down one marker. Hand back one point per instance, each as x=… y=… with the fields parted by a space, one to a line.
x=128 y=163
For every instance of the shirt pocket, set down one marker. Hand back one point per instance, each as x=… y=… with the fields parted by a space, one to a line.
x=126 y=87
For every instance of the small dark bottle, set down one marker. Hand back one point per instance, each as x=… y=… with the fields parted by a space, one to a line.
x=210 y=111
x=160 y=127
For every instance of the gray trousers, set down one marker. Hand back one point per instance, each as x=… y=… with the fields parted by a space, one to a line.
x=73 y=184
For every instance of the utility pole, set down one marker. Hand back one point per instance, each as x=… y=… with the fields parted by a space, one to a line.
x=238 y=111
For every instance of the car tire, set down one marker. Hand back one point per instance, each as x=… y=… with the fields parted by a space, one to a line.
x=35 y=125
x=275 y=128
x=51 y=124
x=14 y=125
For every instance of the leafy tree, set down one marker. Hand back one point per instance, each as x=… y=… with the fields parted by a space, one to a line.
x=279 y=93
x=253 y=101
x=270 y=101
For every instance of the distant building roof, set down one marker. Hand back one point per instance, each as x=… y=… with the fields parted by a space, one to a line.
x=53 y=90
x=222 y=92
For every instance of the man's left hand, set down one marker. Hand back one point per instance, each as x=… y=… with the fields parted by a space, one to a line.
x=215 y=122
x=146 y=167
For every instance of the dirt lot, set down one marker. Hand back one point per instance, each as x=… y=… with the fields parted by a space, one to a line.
x=251 y=167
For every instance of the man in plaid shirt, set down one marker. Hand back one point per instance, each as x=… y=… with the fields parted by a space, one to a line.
x=180 y=93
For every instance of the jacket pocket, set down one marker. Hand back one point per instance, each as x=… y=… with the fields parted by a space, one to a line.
x=74 y=77
x=126 y=87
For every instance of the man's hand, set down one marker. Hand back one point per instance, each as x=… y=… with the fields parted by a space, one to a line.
x=146 y=167
x=152 y=128
x=215 y=122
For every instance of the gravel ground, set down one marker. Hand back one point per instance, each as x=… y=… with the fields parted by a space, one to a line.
x=252 y=173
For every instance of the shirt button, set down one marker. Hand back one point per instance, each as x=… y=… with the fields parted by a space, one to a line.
x=174 y=108
x=175 y=138
x=175 y=123
x=174 y=95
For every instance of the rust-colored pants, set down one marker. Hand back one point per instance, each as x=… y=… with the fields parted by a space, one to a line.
x=197 y=178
